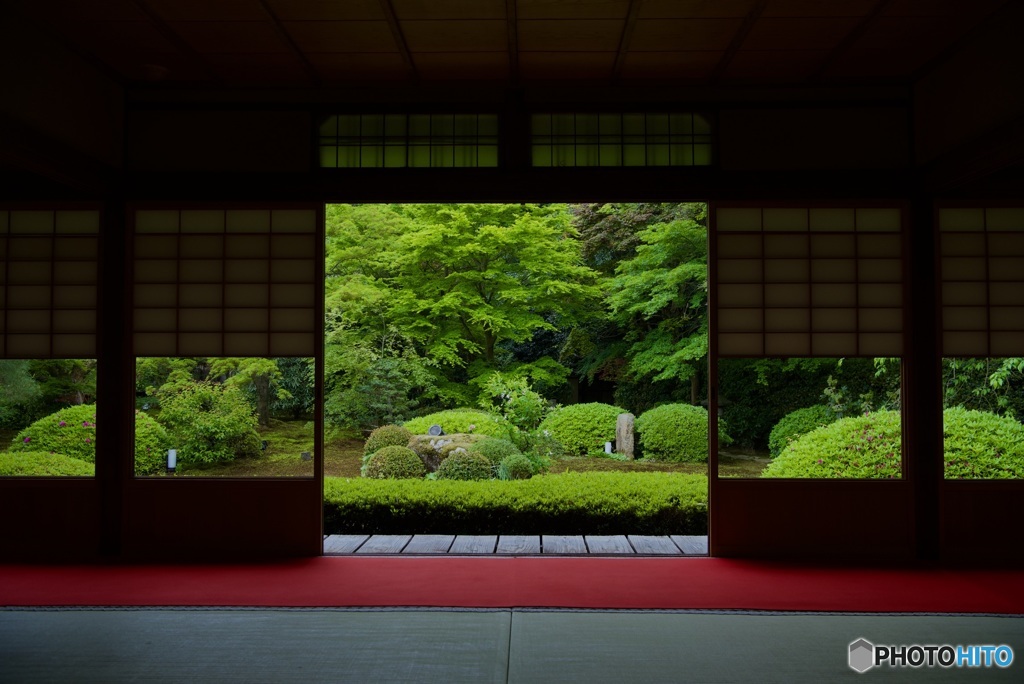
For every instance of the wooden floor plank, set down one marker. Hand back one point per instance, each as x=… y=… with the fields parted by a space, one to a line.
x=430 y=543
x=474 y=544
x=613 y=545
x=385 y=543
x=563 y=544
x=654 y=546
x=518 y=544
x=691 y=545
x=336 y=544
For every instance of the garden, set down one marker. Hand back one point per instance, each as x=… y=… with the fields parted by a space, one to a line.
x=477 y=360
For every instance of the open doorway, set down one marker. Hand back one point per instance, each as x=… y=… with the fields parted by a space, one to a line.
x=532 y=377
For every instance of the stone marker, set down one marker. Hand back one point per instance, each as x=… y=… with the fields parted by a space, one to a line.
x=624 y=434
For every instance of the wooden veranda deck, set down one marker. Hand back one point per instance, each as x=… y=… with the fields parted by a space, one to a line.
x=515 y=545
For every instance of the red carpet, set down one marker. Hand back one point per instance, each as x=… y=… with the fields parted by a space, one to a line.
x=519 y=582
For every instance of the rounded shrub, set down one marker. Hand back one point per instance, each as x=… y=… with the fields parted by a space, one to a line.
x=982 y=445
x=582 y=429
x=386 y=435
x=494 y=449
x=151 y=444
x=464 y=465
x=210 y=424
x=796 y=424
x=515 y=467
x=68 y=432
x=395 y=463
x=42 y=464
x=865 y=446
x=675 y=432
x=469 y=421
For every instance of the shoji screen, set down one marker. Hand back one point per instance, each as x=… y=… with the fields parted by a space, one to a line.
x=228 y=282
x=805 y=281
x=982 y=271
x=48 y=281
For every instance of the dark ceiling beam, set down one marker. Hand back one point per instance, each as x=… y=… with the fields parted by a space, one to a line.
x=1008 y=12
x=738 y=40
x=25 y=152
x=311 y=73
x=177 y=41
x=850 y=40
x=396 y=33
x=512 y=24
x=626 y=38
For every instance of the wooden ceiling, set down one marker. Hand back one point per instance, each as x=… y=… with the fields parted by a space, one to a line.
x=331 y=43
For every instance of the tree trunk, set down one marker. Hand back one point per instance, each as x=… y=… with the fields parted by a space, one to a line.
x=489 y=346
x=262 y=384
x=694 y=388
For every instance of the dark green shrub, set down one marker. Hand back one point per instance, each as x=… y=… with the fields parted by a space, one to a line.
x=386 y=435
x=464 y=465
x=676 y=433
x=468 y=421
x=209 y=424
x=42 y=464
x=494 y=449
x=515 y=467
x=573 y=503
x=433 y=450
x=394 y=463
x=583 y=428
x=151 y=444
x=796 y=424
x=865 y=446
x=982 y=445
x=68 y=432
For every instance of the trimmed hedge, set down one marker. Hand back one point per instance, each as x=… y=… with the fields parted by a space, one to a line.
x=42 y=464
x=676 y=433
x=572 y=503
x=865 y=446
x=515 y=467
x=796 y=424
x=460 y=420
x=982 y=445
x=583 y=428
x=394 y=462
x=464 y=465
x=433 y=450
x=385 y=436
x=494 y=449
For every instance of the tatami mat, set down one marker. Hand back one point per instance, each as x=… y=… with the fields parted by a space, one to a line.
x=521 y=646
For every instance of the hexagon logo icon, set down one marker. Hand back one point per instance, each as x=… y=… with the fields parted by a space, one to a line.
x=862 y=655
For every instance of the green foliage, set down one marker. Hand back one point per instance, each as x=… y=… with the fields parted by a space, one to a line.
x=209 y=424
x=982 y=445
x=659 y=298
x=69 y=432
x=756 y=393
x=260 y=377
x=454 y=421
x=393 y=463
x=386 y=435
x=432 y=450
x=494 y=449
x=573 y=503
x=65 y=381
x=797 y=423
x=20 y=397
x=865 y=446
x=151 y=444
x=985 y=384
x=297 y=380
x=514 y=400
x=515 y=467
x=676 y=433
x=582 y=429
x=464 y=465
x=42 y=464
